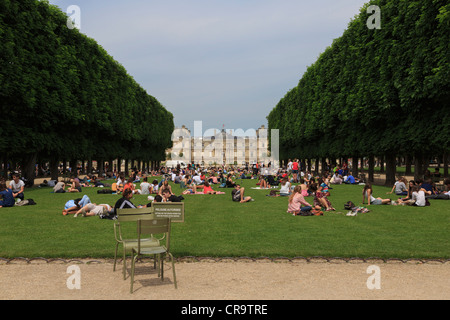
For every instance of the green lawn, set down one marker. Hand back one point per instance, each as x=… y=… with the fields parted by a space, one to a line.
x=215 y=226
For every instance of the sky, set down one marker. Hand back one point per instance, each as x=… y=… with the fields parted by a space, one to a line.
x=226 y=63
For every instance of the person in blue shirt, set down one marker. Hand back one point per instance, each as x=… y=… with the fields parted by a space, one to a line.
x=351 y=180
x=7 y=197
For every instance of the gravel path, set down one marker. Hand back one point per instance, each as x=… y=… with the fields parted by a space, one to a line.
x=228 y=281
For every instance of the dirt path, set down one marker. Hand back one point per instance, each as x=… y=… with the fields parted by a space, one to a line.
x=228 y=281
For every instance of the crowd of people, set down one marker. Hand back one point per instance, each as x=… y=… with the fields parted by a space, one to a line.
x=292 y=182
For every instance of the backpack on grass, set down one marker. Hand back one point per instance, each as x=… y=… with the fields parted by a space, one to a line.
x=349 y=206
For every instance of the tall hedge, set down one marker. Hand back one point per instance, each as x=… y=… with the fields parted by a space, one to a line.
x=375 y=92
x=63 y=97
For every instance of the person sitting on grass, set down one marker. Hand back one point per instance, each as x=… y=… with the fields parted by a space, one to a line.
x=444 y=195
x=17 y=186
x=59 y=187
x=165 y=186
x=297 y=202
x=125 y=201
x=320 y=199
x=145 y=187
x=229 y=182
x=412 y=183
x=323 y=187
x=75 y=185
x=129 y=185
x=263 y=184
x=237 y=195
x=417 y=198
x=371 y=200
x=7 y=197
x=351 y=180
x=399 y=187
x=285 y=189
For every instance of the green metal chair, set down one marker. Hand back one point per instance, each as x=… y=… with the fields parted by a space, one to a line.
x=155 y=226
x=132 y=216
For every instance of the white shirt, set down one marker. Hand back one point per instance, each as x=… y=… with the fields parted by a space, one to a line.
x=145 y=188
x=419 y=198
x=16 y=186
x=286 y=188
x=197 y=179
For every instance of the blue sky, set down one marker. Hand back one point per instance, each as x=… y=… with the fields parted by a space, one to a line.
x=223 y=62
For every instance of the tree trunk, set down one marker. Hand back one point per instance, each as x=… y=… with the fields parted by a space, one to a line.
x=54 y=169
x=382 y=164
x=408 y=162
x=355 y=168
x=446 y=165
x=391 y=169
x=418 y=166
x=29 y=169
x=371 y=169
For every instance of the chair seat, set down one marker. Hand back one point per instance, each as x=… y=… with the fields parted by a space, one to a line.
x=152 y=250
x=133 y=243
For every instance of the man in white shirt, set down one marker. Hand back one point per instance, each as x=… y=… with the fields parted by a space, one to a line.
x=418 y=197
x=145 y=187
x=197 y=179
x=17 y=186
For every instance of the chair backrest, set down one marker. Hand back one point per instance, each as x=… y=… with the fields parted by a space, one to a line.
x=131 y=215
x=124 y=215
x=154 y=226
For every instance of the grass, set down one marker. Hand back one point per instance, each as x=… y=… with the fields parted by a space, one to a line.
x=215 y=226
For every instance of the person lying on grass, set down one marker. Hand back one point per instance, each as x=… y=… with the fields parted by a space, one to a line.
x=237 y=195
x=206 y=187
x=371 y=200
x=92 y=209
x=167 y=196
x=72 y=206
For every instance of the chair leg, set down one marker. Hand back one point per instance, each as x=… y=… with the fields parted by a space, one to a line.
x=133 y=262
x=173 y=270
x=162 y=266
x=124 y=268
x=115 y=256
x=158 y=256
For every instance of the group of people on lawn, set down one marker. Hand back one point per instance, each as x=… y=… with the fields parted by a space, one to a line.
x=12 y=193
x=194 y=181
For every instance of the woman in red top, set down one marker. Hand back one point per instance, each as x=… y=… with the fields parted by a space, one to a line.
x=129 y=185
x=207 y=189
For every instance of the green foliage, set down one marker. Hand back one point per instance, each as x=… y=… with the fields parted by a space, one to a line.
x=374 y=92
x=62 y=95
